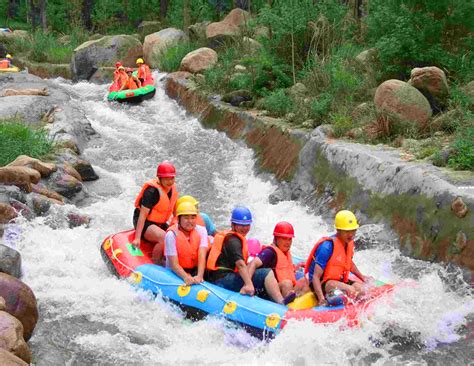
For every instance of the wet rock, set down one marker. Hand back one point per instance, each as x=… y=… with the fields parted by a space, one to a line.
x=199 y=60
x=64 y=184
x=41 y=189
x=20 y=302
x=19 y=176
x=22 y=209
x=283 y=193
x=85 y=169
x=11 y=337
x=179 y=75
x=402 y=104
x=9 y=359
x=431 y=80
x=228 y=27
x=459 y=208
x=461 y=241
x=76 y=219
x=236 y=97
x=39 y=204
x=155 y=43
x=68 y=169
x=8 y=193
x=7 y=213
x=10 y=261
x=3 y=305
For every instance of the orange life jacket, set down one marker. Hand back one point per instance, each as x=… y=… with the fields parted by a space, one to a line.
x=5 y=63
x=131 y=84
x=186 y=247
x=161 y=212
x=216 y=249
x=143 y=72
x=122 y=79
x=339 y=265
x=284 y=269
x=199 y=220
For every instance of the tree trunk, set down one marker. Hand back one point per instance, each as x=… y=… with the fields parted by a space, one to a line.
x=12 y=8
x=87 y=6
x=163 y=9
x=42 y=5
x=242 y=4
x=34 y=14
x=186 y=15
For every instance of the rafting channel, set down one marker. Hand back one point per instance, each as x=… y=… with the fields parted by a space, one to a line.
x=87 y=316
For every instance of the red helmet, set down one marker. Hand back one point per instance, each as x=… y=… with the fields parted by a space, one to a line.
x=284 y=230
x=166 y=170
x=118 y=64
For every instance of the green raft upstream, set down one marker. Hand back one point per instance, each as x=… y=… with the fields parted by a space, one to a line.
x=132 y=96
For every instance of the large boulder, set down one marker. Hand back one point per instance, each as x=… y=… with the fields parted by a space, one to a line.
x=10 y=261
x=45 y=169
x=403 y=105
x=230 y=26
x=156 y=43
x=199 y=60
x=64 y=184
x=197 y=32
x=15 y=35
x=366 y=59
x=11 y=337
x=20 y=302
x=7 y=213
x=147 y=27
x=20 y=176
x=432 y=82
x=9 y=359
x=91 y=55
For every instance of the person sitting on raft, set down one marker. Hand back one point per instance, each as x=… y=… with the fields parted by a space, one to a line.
x=202 y=218
x=154 y=207
x=6 y=62
x=227 y=261
x=277 y=256
x=186 y=245
x=144 y=72
x=330 y=261
x=132 y=81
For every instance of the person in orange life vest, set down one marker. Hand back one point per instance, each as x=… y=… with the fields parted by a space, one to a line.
x=117 y=73
x=144 y=72
x=153 y=208
x=227 y=261
x=185 y=246
x=277 y=256
x=132 y=81
x=6 y=62
x=122 y=78
x=202 y=218
x=330 y=261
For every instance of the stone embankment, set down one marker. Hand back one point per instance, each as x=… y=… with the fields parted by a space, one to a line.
x=429 y=208
x=30 y=187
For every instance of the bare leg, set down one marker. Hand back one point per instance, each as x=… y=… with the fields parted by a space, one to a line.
x=272 y=288
x=302 y=286
x=286 y=287
x=156 y=235
x=350 y=290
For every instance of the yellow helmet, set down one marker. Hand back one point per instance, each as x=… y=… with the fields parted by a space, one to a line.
x=8 y=56
x=189 y=199
x=186 y=208
x=345 y=220
x=139 y=61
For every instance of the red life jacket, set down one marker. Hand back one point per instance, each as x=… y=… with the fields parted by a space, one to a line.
x=339 y=264
x=216 y=249
x=131 y=84
x=284 y=269
x=143 y=72
x=186 y=247
x=161 y=212
x=5 y=63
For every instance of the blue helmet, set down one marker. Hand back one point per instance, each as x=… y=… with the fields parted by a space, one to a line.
x=241 y=216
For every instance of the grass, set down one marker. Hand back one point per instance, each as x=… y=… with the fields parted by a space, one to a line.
x=171 y=58
x=16 y=139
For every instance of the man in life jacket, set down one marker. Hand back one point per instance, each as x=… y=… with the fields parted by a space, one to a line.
x=277 y=256
x=6 y=62
x=122 y=78
x=186 y=245
x=117 y=74
x=227 y=261
x=202 y=219
x=330 y=261
x=153 y=208
x=144 y=72
x=132 y=81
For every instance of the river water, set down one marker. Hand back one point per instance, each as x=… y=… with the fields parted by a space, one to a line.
x=88 y=317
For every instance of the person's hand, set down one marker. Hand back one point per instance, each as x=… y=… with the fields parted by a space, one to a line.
x=323 y=302
x=247 y=290
x=189 y=280
x=369 y=280
x=136 y=243
x=198 y=279
x=299 y=265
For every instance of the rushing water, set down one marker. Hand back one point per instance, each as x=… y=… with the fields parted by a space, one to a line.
x=88 y=317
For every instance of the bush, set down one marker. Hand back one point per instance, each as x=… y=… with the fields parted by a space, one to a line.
x=171 y=58
x=463 y=146
x=321 y=105
x=18 y=139
x=341 y=123
x=277 y=103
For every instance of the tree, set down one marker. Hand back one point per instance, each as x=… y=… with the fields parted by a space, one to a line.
x=163 y=8
x=38 y=13
x=186 y=15
x=12 y=8
x=87 y=7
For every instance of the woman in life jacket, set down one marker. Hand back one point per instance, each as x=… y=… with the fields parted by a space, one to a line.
x=132 y=81
x=144 y=72
x=153 y=209
x=185 y=246
x=330 y=261
x=227 y=261
x=6 y=62
x=277 y=256
x=122 y=78
x=202 y=219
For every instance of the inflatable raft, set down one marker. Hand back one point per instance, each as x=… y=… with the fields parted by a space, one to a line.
x=260 y=317
x=10 y=69
x=147 y=91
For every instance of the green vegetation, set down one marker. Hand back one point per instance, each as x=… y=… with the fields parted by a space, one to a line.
x=16 y=139
x=171 y=58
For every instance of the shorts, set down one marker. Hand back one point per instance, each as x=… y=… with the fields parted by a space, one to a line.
x=148 y=224
x=323 y=285
x=233 y=281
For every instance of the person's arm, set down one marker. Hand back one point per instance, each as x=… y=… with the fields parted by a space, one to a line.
x=176 y=268
x=253 y=265
x=356 y=271
x=202 y=256
x=317 y=288
x=137 y=80
x=140 y=224
x=247 y=288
